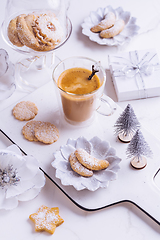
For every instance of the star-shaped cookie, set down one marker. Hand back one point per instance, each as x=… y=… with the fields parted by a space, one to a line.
x=46 y=219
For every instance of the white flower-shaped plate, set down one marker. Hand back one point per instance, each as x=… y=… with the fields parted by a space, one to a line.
x=95 y=147
x=20 y=177
x=129 y=31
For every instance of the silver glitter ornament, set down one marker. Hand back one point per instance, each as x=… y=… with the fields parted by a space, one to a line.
x=8 y=177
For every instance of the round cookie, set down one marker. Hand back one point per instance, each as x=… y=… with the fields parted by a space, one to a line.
x=48 y=29
x=28 y=130
x=113 y=31
x=25 y=110
x=26 y=36
x=78 y=167
x=13 y=34
x=43 y=46
x=107 y=22
x=46 y=132
x=89 y=161
x=30 y=21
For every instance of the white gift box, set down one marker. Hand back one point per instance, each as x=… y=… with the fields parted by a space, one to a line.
x=135 y=74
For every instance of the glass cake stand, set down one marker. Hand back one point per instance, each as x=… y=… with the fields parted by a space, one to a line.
x=35 y=68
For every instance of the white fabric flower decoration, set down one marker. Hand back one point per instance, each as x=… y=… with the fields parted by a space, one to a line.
x=97 y=148
x=20 y=177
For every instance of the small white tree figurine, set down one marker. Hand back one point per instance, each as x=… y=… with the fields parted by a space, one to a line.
x=137 y=149
x=127 y=124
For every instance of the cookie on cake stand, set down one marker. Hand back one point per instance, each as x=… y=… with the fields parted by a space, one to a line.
x=35 y=29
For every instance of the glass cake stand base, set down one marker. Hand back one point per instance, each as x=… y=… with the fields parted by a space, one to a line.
x=33 y=72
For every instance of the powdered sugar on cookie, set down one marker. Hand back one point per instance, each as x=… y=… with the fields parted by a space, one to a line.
x=48 y=29
x=25 y=110
x=107 y=22
x=38 y=31
x=78 y=167
x=89 y=161
x=40 y=131
x=113 y=31
x=28 y=130
x=46 y=132
x=46 y=219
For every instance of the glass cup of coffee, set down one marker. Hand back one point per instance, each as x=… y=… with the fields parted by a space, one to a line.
x=80 y=83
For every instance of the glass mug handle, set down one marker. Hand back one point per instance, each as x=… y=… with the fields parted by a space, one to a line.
x=106 y=105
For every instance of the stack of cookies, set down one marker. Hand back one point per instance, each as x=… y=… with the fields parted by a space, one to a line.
x=84 y=164
x=38 y=31
x=44 y=132
x=109 y=26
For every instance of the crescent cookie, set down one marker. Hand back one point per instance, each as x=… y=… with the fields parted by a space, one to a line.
x=25 y=35
x=13 y=34
x=25 y=110
x=78 y=167
x=89 y=161
x=46 y=132
x=113 y=31
x=107 y=22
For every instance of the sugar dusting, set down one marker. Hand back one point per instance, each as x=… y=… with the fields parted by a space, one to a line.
x=87 y=158
x=45 y=218
x=25 y=110
x=49 y=27
x=89 y=161
x=46 y=132
x=39 y=31
x=78 y=167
